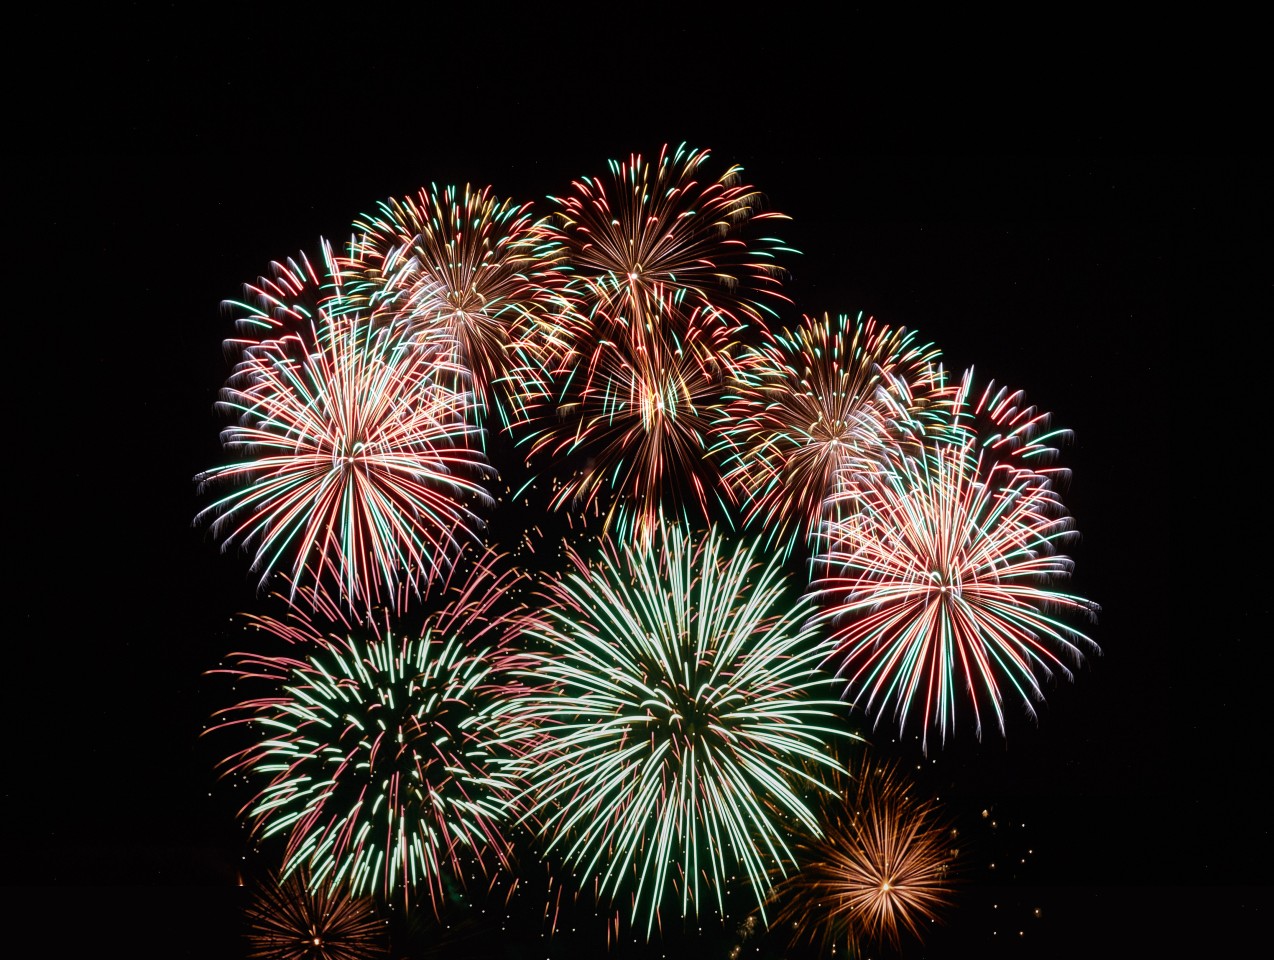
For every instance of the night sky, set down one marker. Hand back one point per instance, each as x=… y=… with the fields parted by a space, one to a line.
x=1100 y=243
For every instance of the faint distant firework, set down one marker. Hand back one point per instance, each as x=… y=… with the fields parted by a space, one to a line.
x=939 y=590
x=471 y=275
x=669 y=228
x=355 y=469
x=817 y=405
x=675 y=697
x=631 y=429
x=879 y=867
x=291 y=919
x=377 y=755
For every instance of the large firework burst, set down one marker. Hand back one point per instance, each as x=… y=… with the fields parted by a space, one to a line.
x=292 y=919
x=660 y=228
x=880 y=866
x=377 y=752
x=816 y=406
x=940 y=588
x=675 y=693
x=470 y=272
x=357 y=473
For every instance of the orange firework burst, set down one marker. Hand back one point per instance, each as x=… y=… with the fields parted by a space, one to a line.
x=880 y=868
x=293 y=919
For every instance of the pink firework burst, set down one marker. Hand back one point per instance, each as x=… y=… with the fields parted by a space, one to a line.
x=940 y=591
x=355 y=469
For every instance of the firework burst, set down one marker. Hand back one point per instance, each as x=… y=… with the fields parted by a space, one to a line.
x=675 y=693
x=356 y=470
x=379 y=757
x=879 y=868
x=655 y=228
x=942 y=582
x=816 y=406
x=470 y=272
x=291 y=919
x=636 y=417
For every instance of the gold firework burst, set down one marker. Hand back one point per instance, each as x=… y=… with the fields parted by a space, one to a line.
x=881 y=867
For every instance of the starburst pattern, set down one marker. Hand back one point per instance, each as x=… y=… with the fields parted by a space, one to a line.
x=663 y=228
x=291 y=919
x=939 y=589
x=379 y=759
x=635 y=416
x=816 y=406
x=879 y=868
x=675 y=693
x=356 y=472
x=472 y=273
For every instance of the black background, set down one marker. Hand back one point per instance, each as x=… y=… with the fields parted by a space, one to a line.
x=1079 y=215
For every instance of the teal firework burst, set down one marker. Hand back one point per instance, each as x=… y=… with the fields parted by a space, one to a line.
x=676 y=699
x=377 y=754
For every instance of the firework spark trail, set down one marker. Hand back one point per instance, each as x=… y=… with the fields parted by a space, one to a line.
x=676 y=693
x=356 y=470
x=941 y=582
x=1001 y=426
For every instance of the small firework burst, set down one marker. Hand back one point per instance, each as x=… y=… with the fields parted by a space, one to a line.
x=879 y=866
x=294 y=919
